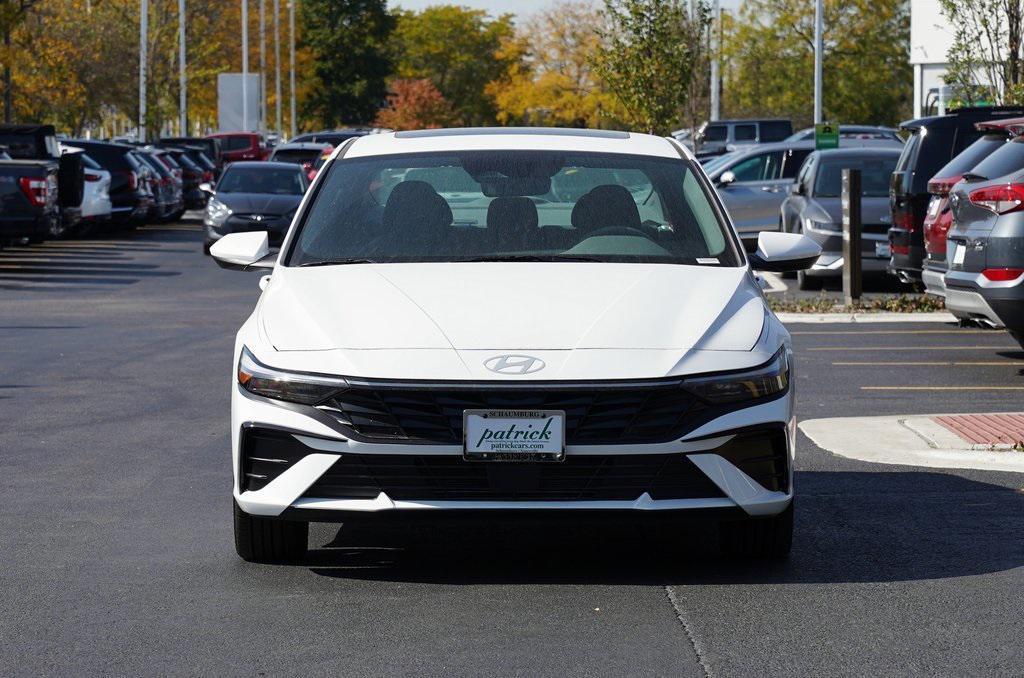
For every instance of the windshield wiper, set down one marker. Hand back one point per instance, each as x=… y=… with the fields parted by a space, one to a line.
x=532 y=257
x=337 y=262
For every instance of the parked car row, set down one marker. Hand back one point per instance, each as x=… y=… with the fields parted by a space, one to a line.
x=957 y=198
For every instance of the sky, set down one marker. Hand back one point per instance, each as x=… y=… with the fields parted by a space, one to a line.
x=495 y=7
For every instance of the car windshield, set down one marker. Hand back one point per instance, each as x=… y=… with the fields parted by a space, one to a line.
x=874 y=178
x=512 y=205
x=275 y=181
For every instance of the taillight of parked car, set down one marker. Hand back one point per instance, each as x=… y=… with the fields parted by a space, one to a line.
x=92 y=177
x=36 y=189
x=1002 y=274
x=942 y=186
x=999 y=199
x=207 y=176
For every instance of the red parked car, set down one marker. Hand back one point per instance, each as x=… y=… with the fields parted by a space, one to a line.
x=939 y=216
x=235 y=146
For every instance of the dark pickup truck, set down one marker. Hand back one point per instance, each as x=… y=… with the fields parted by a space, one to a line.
x=28 y=200
x=40 y=189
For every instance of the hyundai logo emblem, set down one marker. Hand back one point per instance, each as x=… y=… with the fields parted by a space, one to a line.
x=514 y=364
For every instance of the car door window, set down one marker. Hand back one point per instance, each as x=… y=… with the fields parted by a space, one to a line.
x=744 y=132
x=761 y=167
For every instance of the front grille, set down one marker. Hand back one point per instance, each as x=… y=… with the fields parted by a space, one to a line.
x=598 y=478
x=613 y=415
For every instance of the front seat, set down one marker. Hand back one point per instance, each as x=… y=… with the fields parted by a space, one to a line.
x=416 y=219
x=512 y=224
x=606 y=206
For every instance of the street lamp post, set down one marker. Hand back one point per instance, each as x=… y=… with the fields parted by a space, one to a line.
x=819 y=49
x=277 y=65
x=291 y=62
x=263 y=66
x=182 y=78
x=245 y=65
x=143 y=32
x=716 y=26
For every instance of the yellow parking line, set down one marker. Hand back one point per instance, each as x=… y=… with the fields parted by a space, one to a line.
x=958 y=363
x=942 y=388
x=912 y=348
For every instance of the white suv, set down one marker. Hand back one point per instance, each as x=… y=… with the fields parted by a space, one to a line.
x=503 y=320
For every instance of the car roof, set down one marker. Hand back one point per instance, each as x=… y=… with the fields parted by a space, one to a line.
x=860 y=151
x=264 y=164
x=514 y=139
x=302 y=146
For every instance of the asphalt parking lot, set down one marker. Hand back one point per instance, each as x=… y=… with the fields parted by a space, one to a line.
x=118 y=555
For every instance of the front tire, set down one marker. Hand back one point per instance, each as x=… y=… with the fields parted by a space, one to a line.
x=259 y=539
x=770 y=537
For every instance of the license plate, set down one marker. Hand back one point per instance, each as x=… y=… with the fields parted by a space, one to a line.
x=513 y=435
x=958 y=255
x=882 y=250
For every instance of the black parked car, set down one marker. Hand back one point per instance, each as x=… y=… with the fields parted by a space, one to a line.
x=209 y=145
x=130 y=198
x=192 y=176
x=933 y=142
x=814 y=208
x=985 y=246
x=254 y=196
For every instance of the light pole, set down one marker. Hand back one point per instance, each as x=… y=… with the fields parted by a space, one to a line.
x=716 y=26
x=819 y=50
x=291 y=62
x=245 y=65
x=277 y=64
x=182 y=79
x=263 y=66
x=143 y=32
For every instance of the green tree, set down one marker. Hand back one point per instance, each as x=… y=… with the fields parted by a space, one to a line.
x=652 y=51
x=985 y=61
x=12 y=14
x=461 y=50
x=768 y=54
x=348 y=40
x=555 y=83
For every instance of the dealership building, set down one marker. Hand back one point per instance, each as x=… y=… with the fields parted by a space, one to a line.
x=930 y=40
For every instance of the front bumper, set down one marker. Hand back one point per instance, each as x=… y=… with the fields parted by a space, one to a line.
x=304 y=469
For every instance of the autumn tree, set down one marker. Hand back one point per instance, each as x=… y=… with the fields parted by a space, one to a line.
x=768 y=54
x=416 y=104
x=554 y=82
x=460 y=50
x=348 y=39
x=985 y=60
x=12 y=14
x=651 y=52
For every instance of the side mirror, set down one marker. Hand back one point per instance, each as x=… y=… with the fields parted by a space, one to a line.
x=243 y=251
x=784 y=252
x=726 y=178
x=206 y=187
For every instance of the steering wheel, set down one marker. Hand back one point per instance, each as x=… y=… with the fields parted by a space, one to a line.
x=618 y=230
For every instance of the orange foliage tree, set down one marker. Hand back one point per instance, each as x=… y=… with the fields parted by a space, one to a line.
x=416 y=104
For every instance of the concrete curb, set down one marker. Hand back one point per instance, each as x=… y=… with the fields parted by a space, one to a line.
x=883 y=317
x=907 y=440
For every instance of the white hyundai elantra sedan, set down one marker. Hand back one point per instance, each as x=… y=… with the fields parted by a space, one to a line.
x=507 y=321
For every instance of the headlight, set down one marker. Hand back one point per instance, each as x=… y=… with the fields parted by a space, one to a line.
x=768 y=380
x=812 y=225
x=216 y=213
x=294 y=387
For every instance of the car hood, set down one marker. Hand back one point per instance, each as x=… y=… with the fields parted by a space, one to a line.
x=873 y=210
x=259 y=203
x=567 y=314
